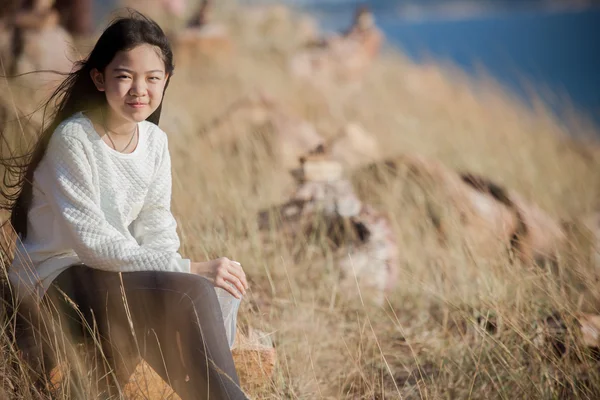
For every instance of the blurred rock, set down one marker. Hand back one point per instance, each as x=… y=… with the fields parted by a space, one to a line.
x=592 y=223
x=203 y=36
x=269 y=14
x=492 y=218
x=306 y=29
x=32 y=40
x=174 y=7
x=290 y=136
x=375 y=261
x=483 y=219
x=325 y=204
x=552 y=337
x=211 y=40
x=542 y=235
x=273 y=27
x=255 y=358
x=569 y=335
x=537 y=236
x=365 y=32
x=8 y=8
x=46 y=48
x=485 y=210
x=75 y=16
x=589 y=324
x=344 y=57
x=145 y=383
x=295 y=138
x=354 y=147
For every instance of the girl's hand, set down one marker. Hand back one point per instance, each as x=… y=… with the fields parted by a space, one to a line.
x=223 y=273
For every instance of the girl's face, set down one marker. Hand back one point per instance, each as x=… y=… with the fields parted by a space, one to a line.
x=133 y=82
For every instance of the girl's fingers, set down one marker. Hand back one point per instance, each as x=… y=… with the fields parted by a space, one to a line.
x=237 y=270
x=223 y=284
x=234 y=280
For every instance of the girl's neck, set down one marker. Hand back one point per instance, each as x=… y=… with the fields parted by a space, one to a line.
x=115 y=125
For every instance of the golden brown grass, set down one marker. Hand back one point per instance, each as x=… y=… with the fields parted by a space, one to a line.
x=430 y=339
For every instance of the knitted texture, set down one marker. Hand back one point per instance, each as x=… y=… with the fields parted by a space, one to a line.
x=94 y=205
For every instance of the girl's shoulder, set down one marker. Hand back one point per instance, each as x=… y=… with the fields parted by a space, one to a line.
x=153 y=131
x=77 y=126
x=155 y=137
x=73 y=132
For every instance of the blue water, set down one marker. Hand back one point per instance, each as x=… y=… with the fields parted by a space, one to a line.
x=558 y=51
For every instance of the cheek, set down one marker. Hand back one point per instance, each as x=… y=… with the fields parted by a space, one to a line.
x=116 y=89
x=156 y=93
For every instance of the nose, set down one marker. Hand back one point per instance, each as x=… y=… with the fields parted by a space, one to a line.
x=138 y=88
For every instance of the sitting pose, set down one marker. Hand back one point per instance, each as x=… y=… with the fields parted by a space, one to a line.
x=97 y=239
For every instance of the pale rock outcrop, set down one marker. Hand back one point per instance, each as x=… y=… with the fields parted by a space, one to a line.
x=346 y=56
x=361 y=237
x=491 y=218
x=203 y=36
x=290 y=137
x=32 y=40
x=353 y=146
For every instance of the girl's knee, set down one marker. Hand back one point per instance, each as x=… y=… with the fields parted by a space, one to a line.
x=196 y=289
x=201 y=283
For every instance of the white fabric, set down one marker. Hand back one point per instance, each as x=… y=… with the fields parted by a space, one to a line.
x=96 y=206
x=229 y=308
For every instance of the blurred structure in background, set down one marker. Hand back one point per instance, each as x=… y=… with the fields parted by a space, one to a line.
x=75 y=16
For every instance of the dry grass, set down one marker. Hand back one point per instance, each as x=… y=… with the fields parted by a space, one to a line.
x=430 y=339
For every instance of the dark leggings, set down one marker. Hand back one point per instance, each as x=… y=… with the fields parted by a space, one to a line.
x=177 y=326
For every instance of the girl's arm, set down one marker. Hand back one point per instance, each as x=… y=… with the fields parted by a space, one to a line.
x=155 y=227
x=67 y=180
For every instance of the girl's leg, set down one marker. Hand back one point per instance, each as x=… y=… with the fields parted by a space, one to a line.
x=173 y=320
x=43 y=337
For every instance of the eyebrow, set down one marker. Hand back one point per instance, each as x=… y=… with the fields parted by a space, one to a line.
x=131 y=72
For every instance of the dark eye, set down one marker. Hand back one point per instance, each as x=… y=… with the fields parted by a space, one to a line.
x=156 y=78
x=122 y=77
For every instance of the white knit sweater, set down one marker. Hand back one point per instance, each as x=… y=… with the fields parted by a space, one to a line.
x=96 y=206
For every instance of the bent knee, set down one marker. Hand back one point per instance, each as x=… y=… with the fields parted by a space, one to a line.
x=193 y=289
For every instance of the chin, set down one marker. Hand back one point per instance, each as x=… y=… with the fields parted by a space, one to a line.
x=139 y=116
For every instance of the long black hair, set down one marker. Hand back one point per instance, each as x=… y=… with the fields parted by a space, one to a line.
x=78 y=93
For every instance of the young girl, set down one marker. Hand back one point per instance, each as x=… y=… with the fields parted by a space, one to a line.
x=94 y=224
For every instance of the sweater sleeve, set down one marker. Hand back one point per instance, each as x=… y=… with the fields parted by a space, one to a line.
x=68 y=184
x=155 y=227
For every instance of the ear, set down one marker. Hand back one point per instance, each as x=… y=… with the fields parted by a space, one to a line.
x=98 y=79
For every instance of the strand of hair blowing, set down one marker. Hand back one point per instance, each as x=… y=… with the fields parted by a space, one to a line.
x=78 y=93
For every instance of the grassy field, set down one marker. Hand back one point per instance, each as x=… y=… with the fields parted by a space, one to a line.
x=430 y=339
